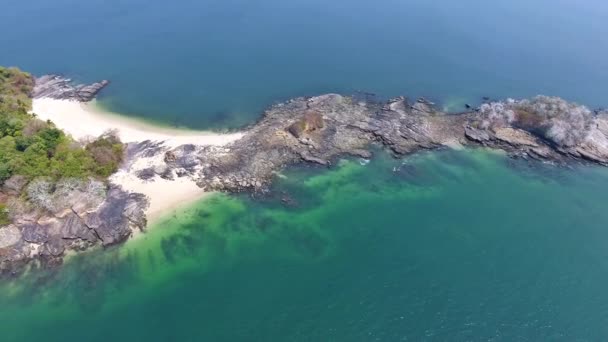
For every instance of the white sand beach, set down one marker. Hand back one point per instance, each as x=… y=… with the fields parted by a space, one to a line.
x=165 y=195
x=83 y=121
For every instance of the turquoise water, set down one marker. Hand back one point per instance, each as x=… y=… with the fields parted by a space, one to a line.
x=456 y=246
x=218 y=63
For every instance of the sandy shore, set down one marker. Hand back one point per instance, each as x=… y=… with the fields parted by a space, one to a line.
x=165 y=195
x=84 y=121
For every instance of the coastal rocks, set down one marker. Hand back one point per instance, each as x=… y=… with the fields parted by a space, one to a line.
x=322 y=128
x=9 y=236
x=595 y=145
x=76 y=215
x=317 y=130
x=116 y=217
x=148 y=160
x=546 y=128
x=515 y=137
x=45 y=236
x=60 y=88
x=476 y=135
x=14 y=185
x=34 y=233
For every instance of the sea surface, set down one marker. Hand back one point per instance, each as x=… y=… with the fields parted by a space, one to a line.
x=452 y=245
x=219 y=63
x=443 y=246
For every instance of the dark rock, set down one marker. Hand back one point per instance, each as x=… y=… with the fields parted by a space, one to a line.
x=72 y=227
x=58 y=87
x=35 y=233
x=54 y=247
x=350 y=126
x=289 y=201
x=476 y=135
x=170 y=157
x=113 y=221
x=146 y=174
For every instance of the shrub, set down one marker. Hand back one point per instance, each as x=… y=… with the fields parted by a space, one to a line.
x=4 y=215
x=66 y=193
x=39 y=192
x=496 y=115
x=552 y=118
x=39 y=151
x=563 y=123
x=107 y=152
x=33 y=126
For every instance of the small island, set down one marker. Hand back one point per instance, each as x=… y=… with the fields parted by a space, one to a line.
x=71 y=179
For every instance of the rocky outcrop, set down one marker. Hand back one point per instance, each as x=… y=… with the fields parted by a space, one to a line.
x=340 y=125
x=61 y=88
x=312 y=130
x=80 y=223
x=51 y=218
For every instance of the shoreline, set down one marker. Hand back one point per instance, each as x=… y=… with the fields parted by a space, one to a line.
x=165 y=195
x=84 y=121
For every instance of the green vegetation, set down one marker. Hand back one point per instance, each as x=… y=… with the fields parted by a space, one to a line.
x=34 y=148
x=4 y=218
x=15 y=87
x=107 y=152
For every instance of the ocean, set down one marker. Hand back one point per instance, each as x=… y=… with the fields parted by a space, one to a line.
x=452 y=245
x=219 y=63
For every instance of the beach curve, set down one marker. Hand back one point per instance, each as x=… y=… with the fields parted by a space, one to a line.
x=84 y=121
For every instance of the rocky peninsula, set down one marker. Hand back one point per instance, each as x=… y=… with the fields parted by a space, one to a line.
x=320 y=129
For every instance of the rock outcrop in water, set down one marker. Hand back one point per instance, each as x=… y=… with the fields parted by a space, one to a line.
x=48 y=217
x=61 y=88
x=303 y=130
x=71 y=215
x=321 y=128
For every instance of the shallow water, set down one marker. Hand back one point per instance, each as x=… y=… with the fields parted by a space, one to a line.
x=217 y=64
x=482 y=247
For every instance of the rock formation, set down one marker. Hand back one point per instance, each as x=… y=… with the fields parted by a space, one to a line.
x=72 y=215
x=50 y=218
x=316 y=130
x=342 y=125
x=61 y=88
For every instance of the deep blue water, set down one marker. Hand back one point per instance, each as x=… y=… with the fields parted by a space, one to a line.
x=218 y=63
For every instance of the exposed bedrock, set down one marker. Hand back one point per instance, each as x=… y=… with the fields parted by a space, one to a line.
x=73 y=215
x=318 y=129
x=61 y=88
x=303 y=130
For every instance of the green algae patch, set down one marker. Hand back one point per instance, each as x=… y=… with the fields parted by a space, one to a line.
x=379 y=236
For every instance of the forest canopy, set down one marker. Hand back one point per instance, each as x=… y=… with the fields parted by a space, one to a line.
x=32 y=148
